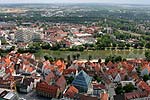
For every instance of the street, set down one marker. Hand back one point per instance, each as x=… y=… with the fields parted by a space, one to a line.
x=31 y=96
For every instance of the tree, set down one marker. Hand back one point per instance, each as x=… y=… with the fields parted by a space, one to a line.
x=21 y=50
x=68 y=58
x=34 y=47
x=74 y=57
x=45 y=45
x=97 y=78
x=113 y=59
x=12 y=48
x=70 y=79
x=107 y=59
x=128 y=45
x=146 y=77
x=136 y=45
x=77 y=48
x=90 y=57
x=99 y=60
x=147 y=45
x=141 y=44
x=147 y=55
x=68 y=61
x=46 y=57
x=128 y=88
x=56 y=46
x=124 y=59
x=114 y=44
x=119 y=90
x=50 y=58
x=121 y=45
x=117 y=58
x=138 y=69
x=78 y=56
x=104 y=41
x=80 y=48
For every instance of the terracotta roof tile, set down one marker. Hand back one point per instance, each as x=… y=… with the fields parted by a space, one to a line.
x=49 y=89
x=109 y=64
x=127 y=66
x=146 y=66
x=86 y=97
x=144 y=86
x=7 y=60
x=49 y=77
x=70 y=93
x=61 y=82
x=99 y=86
x=69 y=71
x=104 y=96
x=135 y=94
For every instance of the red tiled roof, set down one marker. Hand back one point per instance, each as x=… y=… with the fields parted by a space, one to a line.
x=112 y=71
x=61 y=82
x=127 y=66
x=109 y=64
x=144 y=86
x=135 y=76
x=138 y=61
x=71 y=92
x=49 y=67
x=146 y=66
x=46 y=63
x=26 y=62
x=9 y=70
x=95 y=66
x=135 y=94
x=7 y=61
x=104 y=96
x=49 y=89
x=86 y=97
x=30 y=69
x=69 y=71
x=49 y=77
x=58 y=63
x=61 y=66
x=28 y=55
x=99 y=86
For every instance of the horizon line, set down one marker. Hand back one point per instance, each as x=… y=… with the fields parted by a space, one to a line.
x=106 y=3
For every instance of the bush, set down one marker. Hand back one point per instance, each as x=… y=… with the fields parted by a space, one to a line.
x=113 y=59
x=147 y=55
x=77 y=48
x=45 y=45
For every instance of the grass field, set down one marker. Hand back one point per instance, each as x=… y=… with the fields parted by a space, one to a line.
x=95 y=54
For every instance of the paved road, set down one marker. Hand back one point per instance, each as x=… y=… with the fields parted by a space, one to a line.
x=31 y=96
x=111 y=91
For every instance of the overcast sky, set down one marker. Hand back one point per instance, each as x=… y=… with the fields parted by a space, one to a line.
x=78 y=1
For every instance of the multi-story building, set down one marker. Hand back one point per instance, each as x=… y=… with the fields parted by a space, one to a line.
x=23 y=36
x=27 y=35
x=37 y=36
x=6 y=94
